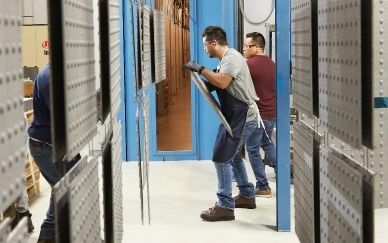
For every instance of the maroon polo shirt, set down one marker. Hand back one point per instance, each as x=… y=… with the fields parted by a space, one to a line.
x=262 y=70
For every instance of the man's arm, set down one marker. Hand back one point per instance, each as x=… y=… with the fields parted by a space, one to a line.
x=220 y=80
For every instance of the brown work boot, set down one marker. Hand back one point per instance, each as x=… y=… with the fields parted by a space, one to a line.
x=217 y=213
x=241 y=201
x=264 y=193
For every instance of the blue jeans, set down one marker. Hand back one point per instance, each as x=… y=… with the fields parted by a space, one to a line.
x=52 y=172
x=257 y=140
x=236 y=166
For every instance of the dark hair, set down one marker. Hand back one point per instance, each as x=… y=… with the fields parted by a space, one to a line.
x=215 y=33
x=257 y=38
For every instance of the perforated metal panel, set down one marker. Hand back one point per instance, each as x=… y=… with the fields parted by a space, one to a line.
x=304 y=183
x=19 y=234
x=145 y=45
x=114 y=16
x=159 y=46
x=346 y=199
x=73 y=74
x=12 y=126
x=117 y=183
x=340 y=68
x=85 y=225
x=302 y=65
x=5 y=229
x=379 y=156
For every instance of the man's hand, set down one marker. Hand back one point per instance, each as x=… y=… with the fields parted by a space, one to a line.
x=192 y=66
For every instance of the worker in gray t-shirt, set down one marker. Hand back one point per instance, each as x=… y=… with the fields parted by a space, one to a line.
x=237 y=96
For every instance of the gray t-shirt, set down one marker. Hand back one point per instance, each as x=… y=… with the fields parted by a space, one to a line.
x=241 y=87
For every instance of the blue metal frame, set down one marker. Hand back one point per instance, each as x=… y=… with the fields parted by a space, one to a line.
x=283 y=49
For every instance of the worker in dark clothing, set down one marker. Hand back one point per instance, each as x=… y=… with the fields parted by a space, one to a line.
x=237 y=97
x=41 y=149
x=262 y=70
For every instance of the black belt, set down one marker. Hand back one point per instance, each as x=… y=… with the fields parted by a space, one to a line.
x=38 y=143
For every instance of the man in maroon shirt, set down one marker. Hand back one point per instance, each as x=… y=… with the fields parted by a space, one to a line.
x=262 y=70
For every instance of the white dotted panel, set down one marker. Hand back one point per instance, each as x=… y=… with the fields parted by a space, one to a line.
x=79 y=74
x=301 y=38
x=5 y=229
x=378 y=157
x=341 y=200
x=339 y=43
x=117 y=183
x=114 y=17
x=159 y=45
x=12 y=125
x=20 y=233
x=145 y=45
x=84 y=203
x=303 y=184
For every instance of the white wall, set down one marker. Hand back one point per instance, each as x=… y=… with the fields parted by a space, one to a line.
x=257 y=10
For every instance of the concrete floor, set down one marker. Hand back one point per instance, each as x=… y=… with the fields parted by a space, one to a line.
x=179 y=192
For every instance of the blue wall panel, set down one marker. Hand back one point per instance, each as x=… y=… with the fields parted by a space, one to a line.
x=207 y=13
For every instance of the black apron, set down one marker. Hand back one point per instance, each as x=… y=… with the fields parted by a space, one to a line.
x=235 y=112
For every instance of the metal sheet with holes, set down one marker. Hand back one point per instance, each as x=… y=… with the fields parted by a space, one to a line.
x=379 y=156
x=302 y=88
x=343 y=199
x=85 y=202
x=114 y=26
x=20 y=233
x=79 y=73
x=339 y=41
x=117 y=183
x=5 y=229
x=12 y=125
x=303 y=184
x=146 y=116
x=145 y=45
x=159 y=46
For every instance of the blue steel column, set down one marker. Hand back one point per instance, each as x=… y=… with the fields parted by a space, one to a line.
x=283 y=41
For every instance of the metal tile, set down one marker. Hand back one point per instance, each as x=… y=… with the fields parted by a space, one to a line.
x=302 y=63
x=144 y=33
x=115 y=66
x=345 y=190
x=117 y=183
x=85 y=225
x=5 y=229
x=20 y=233
x=12 y=125
x=303 y=184
x=306 y=182
x=340 y=68
x=159 y=46
x=73 y=72
x=378 y=157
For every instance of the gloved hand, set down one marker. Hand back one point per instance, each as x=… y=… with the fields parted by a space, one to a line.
x=192 y=66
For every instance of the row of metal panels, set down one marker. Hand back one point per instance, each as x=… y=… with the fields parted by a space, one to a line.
x=332 y=67
x=334 y=194
x=151 y=46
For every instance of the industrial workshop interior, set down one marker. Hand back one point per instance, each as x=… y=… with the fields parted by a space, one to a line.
x=193 y=121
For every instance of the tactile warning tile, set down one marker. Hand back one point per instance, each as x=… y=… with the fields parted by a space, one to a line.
x=12 y=125
x=378 y=157
x=85 y=224
x=340 y=68
x=346 y=197
x=303 y=183
x=301 y=42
